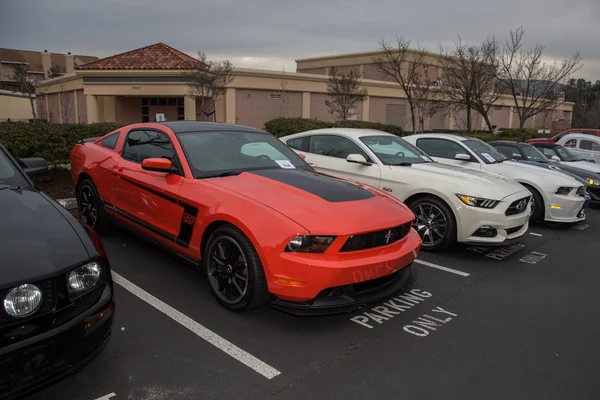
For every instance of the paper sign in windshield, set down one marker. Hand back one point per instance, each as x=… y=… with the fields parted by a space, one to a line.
x=285 y=164
x=489 y=158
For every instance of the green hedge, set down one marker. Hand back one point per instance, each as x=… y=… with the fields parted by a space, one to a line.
x=53 y=142
x=286 y=126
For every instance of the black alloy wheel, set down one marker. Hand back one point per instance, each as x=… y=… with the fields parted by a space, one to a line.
x=234 y=270
x=90 y=207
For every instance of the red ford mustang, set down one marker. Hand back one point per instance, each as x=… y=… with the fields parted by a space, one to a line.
x=262 y=224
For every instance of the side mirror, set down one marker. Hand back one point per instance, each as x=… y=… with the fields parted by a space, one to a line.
x=33 y=166
x=555 y=158
x=159 y=165
x=462 y=157
x=357 y=159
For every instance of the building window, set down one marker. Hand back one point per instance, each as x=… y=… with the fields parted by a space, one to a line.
x=144 y=101
x=275 y=96
x=394 y=114
x=180 y=113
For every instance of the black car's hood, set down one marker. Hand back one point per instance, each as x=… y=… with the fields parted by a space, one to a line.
x=36 y=240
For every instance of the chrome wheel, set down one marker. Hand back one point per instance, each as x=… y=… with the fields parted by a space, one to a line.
x=430 y=223
x=88 y=209
x=228 y=270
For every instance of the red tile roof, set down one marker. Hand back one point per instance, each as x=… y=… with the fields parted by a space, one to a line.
x=156 y=56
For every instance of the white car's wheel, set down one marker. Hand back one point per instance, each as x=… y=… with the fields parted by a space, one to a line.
x=434 y=222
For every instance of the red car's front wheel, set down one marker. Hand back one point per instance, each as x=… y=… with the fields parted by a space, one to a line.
x=234 y=270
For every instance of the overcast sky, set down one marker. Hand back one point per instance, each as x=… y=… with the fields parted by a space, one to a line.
x=270 y=34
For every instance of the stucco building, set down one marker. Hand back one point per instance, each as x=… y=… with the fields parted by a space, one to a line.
x=151 y=82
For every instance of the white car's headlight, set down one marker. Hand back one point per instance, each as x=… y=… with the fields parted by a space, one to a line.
x=83 y=278
x=594 y=182
x=564 y=190
x=22 y=300
x=477 y=201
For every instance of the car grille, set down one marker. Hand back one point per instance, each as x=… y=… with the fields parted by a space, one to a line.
x=376 y=239
x=581 y=191
x=514 y=209
x=510 y=231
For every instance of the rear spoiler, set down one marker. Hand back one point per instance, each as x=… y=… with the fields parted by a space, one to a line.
x=91 y=139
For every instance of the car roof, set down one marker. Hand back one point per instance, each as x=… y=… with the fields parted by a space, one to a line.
x=581 y=136
x=350 y=132
x=205 y=126
x=443 y=134
x=545 y=144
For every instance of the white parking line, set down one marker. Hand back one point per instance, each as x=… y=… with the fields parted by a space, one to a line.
x=454 y=271
x=535 y=234
x=106 y=396
x=222 y=344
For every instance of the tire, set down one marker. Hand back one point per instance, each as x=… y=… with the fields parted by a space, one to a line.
x=539 y=208
x=226 y=250
x=428 y=229
x=87 y=196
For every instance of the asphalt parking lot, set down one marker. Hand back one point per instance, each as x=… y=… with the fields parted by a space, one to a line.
x=518 y=322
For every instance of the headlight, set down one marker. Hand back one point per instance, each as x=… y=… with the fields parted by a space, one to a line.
x=563 y=190
x=594 y=182
x=83 y=278
x=478 y=201
x=22 y=300
x=309 y=244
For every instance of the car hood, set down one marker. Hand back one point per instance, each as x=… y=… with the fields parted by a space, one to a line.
x=552 y=167
x=517 y=169
x=478 y=183
x=36 y=241
x=588 y=166
x=322 y=204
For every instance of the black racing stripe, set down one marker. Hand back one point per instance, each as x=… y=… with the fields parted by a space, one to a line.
x=188 y=219
x=144 y=224
x=326 y=187
x=148 y=189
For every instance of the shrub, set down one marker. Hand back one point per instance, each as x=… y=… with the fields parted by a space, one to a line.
x=286 y=126
x=52 y=142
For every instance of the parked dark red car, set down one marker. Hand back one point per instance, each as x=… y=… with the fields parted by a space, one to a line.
x=556 y=138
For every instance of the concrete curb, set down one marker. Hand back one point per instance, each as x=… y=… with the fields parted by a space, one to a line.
x=69 y=204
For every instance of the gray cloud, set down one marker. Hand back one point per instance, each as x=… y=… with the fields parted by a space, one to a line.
x=272 y=33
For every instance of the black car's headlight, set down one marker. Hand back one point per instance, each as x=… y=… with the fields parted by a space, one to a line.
x=84 y=278
x=564 y=190
x=22 y=300
x=309 y=244
x=593 y=182
x=478 y=201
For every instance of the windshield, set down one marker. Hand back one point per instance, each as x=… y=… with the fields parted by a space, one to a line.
x=392 y=150
x=565 y=154
x=9 y=174
x=533 y=154
x=218 y=153
x=484 y=151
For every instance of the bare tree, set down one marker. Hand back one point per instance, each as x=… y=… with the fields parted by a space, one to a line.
x=401 y=64
x=284 y=104
x=470 y=82
x=66 y=105
x=531 y=81
x=345 y=92
x=208 y=81
x=426 y=98
x=24 y=85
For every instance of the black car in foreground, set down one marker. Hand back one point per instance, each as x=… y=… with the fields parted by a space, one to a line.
x=530 y=154
x=56 y=290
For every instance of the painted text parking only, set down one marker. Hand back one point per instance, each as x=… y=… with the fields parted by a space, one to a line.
x=391 y=308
